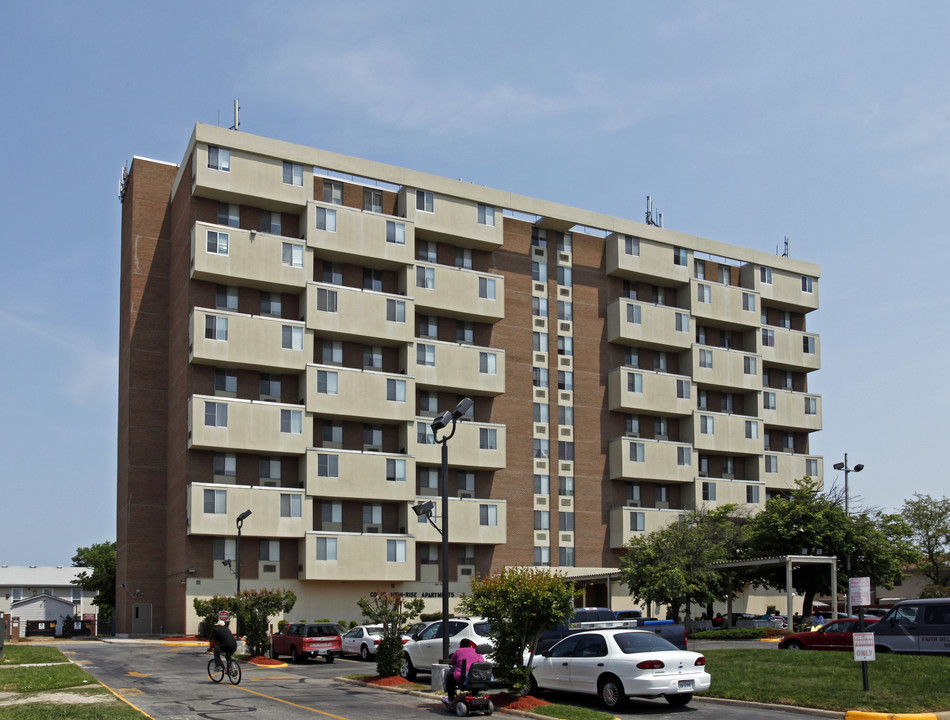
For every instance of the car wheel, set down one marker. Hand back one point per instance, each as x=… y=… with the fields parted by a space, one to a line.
x=407 y=670
x=329 y=658
x=611 y=692
x=273 y=653
x=295 y=656
x=794 y=645
x=679 y=700
x=364 y=653
x=533 y=688
x=881 y=650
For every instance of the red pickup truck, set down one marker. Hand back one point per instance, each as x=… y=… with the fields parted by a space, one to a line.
x=306 y=640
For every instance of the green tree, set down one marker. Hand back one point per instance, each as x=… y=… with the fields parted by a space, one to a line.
x=674 y=565
x=392 y=612
x=253 y=608
x=929 y=520
x=100 y=558
x=520 y=604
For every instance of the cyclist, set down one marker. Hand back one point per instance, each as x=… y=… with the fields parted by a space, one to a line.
x=222 y=640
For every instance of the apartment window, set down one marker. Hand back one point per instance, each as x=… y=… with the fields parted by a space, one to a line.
x=326 y=219
x=749 y=365
x=699 y=269
x=765 y=275
x=539 y=307
x=633 y=494
x=219 y=158
x=425 y=354
x=270 y=222
x=565 y=310
x=683 y=389
x=270 y=385
x=463 y=258
x=396 y=390
x=707 y=425
x=768 y=400
x=808 y=345
x=269 y=468
x=395 y=232
x=539 y=342
x=565 y=521
x=428 y=326
x=396 y=311
x=291 y=505
x=629 y=290
x=768 y=337
x=771 y=463
x=225 y=465
x=269 y=551
x=332 y=192
x=703 y=293
x=326 y=548
x=787 y=380
x=425 y=277
x=373 y=200
x=271 y=304
x=682 y=322
x=291 y=337
x=631 y=357
x=566 y=557
x=811 y=406
x=372 y=513
x=542 y=520
x=424 y=434
x=565 y=450
x=634 y=382
x=216 y=414
x=327 y=382
x=637 y=521
x=428 y=402
x=291 y=421
x=565 y=380
x=631 y=245
x=727 y=403
x=701 y=334
x=709 y=491
x=395 y=470
x=751 y=429
x=293 y=174
x=565 y=276
x=326 y=300
x=486 y=215
x=811 y=467
x=542 y=556
x=229 y=214
x=488 y=438
x=372 y=437
x=752 y=494
x=541 y=413
x=542 y=485
x=332 y=273
x=808 y=284
x=488 y=515
x=632 y=425
x=684 y=456
x=372 y=357
x=222 y=549
x=217 y=242
x=216 y=502
x=659 y=296
x=488 y=363
x=785 y=319
x=427 y=251
x=565 y=242
x=565 y=415
x=725 y=339
x=486 y=288
x=539 y=237
x=633 y=313
x=705 y=358
x=748 y=302
x=225 y=381
x=539 y=377
x=679 y=256
x=662 y=493
x=565 y=345
x=659 y=360
x=725 y=274
x=542 y=448
x=539 y=271
x=372 y=279
x=636 y=452
x=424 y=201
x=226 y=298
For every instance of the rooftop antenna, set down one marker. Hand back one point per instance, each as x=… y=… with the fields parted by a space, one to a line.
x=786 y=253
x=651 y=220
x=237 y=122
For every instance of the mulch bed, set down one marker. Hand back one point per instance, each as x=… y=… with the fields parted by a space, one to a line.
x=264 y=661
x=391 y=681
x=506 y=700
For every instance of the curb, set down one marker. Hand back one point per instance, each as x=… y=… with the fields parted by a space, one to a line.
x=862 y=715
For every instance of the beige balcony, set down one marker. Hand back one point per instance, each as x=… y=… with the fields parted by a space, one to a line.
x=625 y=523
x=654 y=262
x=735 y=434
x=730 y=369
x=789 y=349
x=354 y=394
x=452 y=220
x=265 y=504
x=657 y=326
x=785 y=290
x=475 y=446
x=790 y=411
x=789 y=468
x=255 y=180
x=727 y=305
x=457 y=292
x=361 y=475
x=251 y=426
x=727 y=492
x=459 y=368
x=251 y=341
x=360 y=315
x=254 y=258
x=658 y=395
x=465 y=522
x=660 y=460
x=359 y=556
x=360 y=237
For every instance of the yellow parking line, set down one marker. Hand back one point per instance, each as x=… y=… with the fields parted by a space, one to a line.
x=287 y=702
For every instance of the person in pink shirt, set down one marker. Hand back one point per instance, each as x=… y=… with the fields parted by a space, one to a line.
x=465 y=654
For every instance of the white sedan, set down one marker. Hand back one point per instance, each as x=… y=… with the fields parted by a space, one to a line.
x=617 y=664
x=362 y=640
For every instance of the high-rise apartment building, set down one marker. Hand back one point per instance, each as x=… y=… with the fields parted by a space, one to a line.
x=292 y=320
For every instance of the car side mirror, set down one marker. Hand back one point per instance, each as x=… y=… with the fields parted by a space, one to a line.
x=546 y=653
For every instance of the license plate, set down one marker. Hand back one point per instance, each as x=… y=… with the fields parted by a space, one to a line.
x=685 y=684
x=323 y=651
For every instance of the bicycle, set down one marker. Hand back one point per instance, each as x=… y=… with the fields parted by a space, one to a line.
x=216 y=673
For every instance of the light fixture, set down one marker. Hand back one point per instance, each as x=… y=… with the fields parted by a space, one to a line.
x=424 y=508
x=847 y=511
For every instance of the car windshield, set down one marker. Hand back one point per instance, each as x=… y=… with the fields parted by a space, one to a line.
x=321 y=630
x=638 y=642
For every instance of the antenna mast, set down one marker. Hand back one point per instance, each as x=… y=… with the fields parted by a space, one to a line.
x=237 y=122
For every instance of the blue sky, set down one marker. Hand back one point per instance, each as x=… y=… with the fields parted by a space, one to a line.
x=747 y=122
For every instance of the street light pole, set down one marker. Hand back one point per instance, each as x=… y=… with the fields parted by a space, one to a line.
x=847 y=511
x=240 y=523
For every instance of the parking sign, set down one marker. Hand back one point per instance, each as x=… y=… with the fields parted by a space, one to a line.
x=863 y=646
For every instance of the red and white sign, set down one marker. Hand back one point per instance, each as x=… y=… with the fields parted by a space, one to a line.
x=860 y=590
x=863 y=646
x=223 y=616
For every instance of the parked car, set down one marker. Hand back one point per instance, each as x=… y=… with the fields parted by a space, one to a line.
x=364 y=639
x=595 y=618
x=915 y=626
x=617 y=664
x=424 y=649
x=308 y=640
x=836 y=635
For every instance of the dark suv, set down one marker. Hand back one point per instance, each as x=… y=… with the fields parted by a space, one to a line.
x=308 y=640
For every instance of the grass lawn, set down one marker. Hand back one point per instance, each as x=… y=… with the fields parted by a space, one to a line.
x=830 y=680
